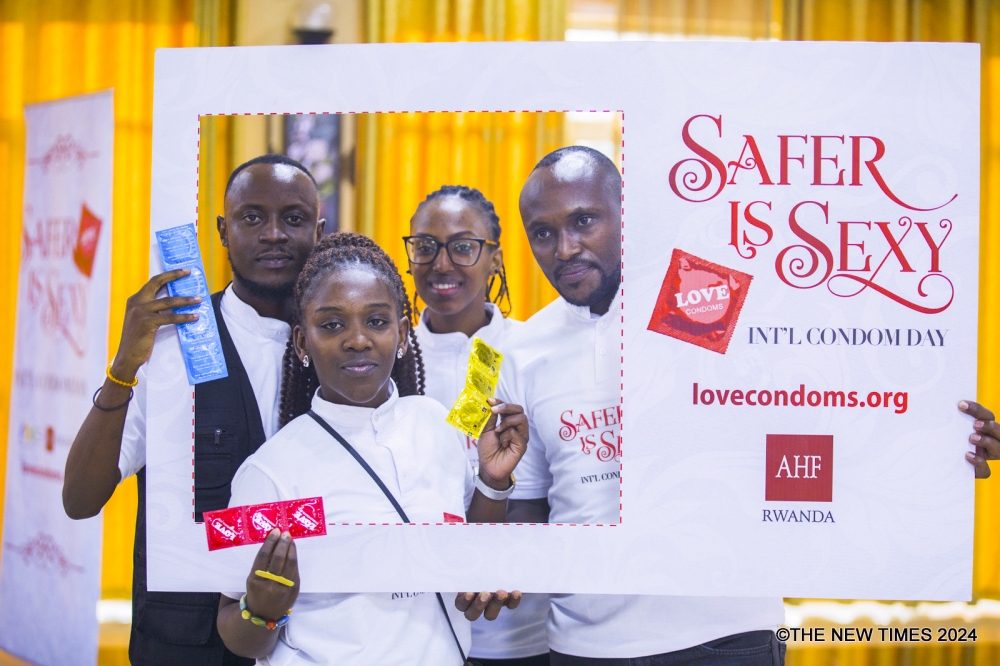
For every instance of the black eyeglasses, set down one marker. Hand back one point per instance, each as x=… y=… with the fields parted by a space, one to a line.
x=461 y=251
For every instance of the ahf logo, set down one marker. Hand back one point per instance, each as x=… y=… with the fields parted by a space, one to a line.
x=799 y=468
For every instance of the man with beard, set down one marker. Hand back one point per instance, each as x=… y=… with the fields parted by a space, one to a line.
x=562 y=365
x=270 y=225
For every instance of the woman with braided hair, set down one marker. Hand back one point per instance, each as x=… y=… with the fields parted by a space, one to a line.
x=457 y=267
x=351 y=393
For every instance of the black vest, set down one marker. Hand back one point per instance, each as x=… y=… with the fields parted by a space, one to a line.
x=171 y=628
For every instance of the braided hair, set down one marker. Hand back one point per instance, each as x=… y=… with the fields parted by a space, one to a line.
x=485 y=206
x=299 y=383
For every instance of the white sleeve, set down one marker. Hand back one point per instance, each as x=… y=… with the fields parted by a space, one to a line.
x=133 y=452
x=470 y=483
x=532 y=476
x=251 y=486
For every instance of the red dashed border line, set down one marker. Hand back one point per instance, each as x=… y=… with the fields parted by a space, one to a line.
x=621 y=386
x=621 y=359
x=192 y=456
x=471 y=524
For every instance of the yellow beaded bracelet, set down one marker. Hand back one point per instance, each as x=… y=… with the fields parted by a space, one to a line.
x=259 y=621
x=131 y=384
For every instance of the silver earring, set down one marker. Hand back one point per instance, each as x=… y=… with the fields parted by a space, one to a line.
x=305 y=360
x=399 y=353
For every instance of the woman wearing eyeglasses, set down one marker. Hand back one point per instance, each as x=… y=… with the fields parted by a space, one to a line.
x=457 y=267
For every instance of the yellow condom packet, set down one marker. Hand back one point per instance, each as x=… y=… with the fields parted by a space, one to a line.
x=489 y=358
x=480 y=380
x=472 y=409
x=470 y=412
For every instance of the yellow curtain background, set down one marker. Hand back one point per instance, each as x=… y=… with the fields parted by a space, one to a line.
x=50 y=50
x=402 y=157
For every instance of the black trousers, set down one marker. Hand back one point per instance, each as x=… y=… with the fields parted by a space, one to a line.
x=753 y=648
x=537 y=660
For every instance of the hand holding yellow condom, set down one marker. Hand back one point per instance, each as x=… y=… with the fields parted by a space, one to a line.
x=472 y=409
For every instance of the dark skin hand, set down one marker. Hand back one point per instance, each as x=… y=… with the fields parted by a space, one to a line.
x=92 y=464
x=270 y=227
x=267 y=599
x=986 y=437
x=500 y=448
x=473 y=605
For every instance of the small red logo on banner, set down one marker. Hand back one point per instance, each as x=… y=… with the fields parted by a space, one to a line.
x=452 y=518
x=699 y=302
x=799 y=468
x=86 y=241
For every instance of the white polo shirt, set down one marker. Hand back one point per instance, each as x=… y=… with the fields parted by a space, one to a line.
x=260 y=342
x=419 y=457
x=520 y=633
x=563 y=366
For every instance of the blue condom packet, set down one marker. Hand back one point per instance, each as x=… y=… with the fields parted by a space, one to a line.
x=200 y=342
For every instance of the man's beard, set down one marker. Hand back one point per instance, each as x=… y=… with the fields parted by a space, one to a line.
x=265 y=292
x=606 y=290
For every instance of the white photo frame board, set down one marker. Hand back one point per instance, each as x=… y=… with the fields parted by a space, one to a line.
x=694 y=516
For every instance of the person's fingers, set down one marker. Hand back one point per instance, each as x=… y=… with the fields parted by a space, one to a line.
x=491 y=424
x=473 y=612
x=975 y=410
x=979 y=462
x=514 y=600
x=496 y=602
x=170 y=302
x=988 y=428
x=505 y=409
x=463 y=600
x=166 y=319
x=266 y=549
x=280 y=554
x=157 y=282
x=291 y=568
x=513 y=438
x=516 y=442
x=986 y=446
x=517 y=422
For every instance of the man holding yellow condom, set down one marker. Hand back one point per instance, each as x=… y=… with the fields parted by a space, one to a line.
x=270 y=225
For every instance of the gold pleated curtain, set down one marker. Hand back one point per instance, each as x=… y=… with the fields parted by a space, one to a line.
x=50 y=50
x=402 y=157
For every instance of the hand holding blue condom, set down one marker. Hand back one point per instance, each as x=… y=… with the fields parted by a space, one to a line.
x=200 y=342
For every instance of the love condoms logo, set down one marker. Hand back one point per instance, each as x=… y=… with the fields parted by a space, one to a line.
x=699 y=302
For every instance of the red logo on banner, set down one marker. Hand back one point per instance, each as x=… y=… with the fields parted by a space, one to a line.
x=452 y=518
x=43 y=552
x=86 y=241
x=799 y=468
x=64 y=151
x=699 y=302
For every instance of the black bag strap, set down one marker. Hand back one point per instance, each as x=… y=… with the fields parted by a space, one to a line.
x=402 y=514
